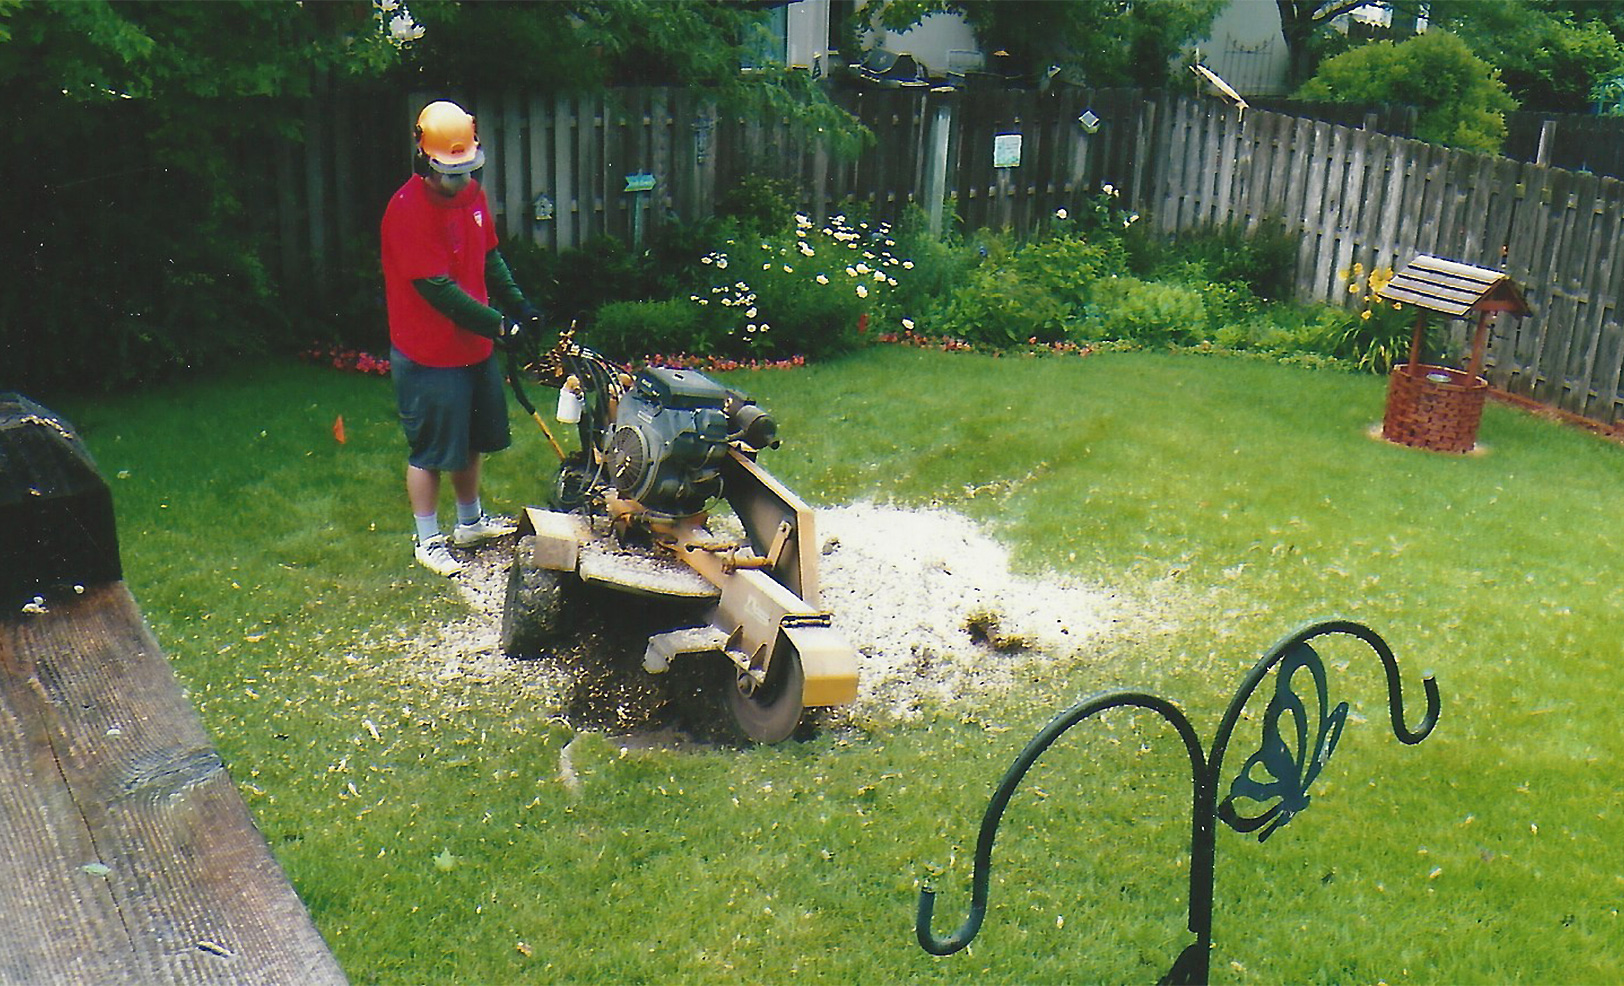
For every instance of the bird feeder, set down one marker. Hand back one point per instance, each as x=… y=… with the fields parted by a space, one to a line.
x=1440 y=407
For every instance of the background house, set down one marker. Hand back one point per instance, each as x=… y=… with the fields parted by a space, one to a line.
x=1247 y=49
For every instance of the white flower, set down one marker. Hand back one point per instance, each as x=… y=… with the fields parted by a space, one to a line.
x=707 y=259
x=721 y=263
x=788 y=269
x=750 y=312
x=403 y=29
x=862 y=291
x=822 y=278
x=1108 y=189
x=851 y=272
x=879 y=275
x=861 y=268
x=891 y=282
x=907 y=265
x=1060 y=213
x=908 y=324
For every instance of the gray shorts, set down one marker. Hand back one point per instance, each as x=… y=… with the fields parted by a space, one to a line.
x=449 y=412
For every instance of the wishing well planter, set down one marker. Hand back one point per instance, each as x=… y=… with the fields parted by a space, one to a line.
x=1434 y=407
x=1439 y=407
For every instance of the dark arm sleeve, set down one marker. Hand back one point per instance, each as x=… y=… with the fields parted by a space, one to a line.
x=504 y=291
x=458 y=305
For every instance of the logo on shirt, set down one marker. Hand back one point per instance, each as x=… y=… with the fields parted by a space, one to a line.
x=479 y=219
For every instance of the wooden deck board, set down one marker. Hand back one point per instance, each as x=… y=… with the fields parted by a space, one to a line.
x=130 y=857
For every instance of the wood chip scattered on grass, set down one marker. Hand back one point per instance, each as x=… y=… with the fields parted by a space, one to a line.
x=926 y=597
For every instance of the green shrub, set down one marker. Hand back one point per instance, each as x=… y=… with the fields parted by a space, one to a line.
x=1148 y=313
x=1068 y=266
x=759 y=205
x=1263 y=259
x=940 y=263
x=802 y=292
x=575 y=283
x=627 y=330
x=1461 y=99
x=1286 y=330
x=1026 y=294
x=997 y=307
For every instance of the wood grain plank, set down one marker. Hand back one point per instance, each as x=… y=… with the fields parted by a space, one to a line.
x=130 y=850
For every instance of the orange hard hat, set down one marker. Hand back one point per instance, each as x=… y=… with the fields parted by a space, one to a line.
x=446 y=136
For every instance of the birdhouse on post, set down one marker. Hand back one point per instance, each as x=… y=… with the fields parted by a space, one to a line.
x=1440 y=407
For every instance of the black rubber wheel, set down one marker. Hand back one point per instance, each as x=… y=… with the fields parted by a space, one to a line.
x=572 y=484
x=532 y=610
x=772 y=712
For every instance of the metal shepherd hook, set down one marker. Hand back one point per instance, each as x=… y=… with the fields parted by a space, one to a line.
x=1287 y=768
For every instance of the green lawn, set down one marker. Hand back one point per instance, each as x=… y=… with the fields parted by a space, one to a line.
x=421 y=817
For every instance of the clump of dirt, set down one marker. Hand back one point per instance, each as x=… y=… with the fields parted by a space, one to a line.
x=925 y=597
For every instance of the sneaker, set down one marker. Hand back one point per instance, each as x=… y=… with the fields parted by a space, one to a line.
x=484 y=529
x=435 y=555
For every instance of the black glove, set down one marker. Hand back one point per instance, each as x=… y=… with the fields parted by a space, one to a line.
x=509 y=334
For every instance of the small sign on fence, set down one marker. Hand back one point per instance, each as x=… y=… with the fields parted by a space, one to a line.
x=1006 y=151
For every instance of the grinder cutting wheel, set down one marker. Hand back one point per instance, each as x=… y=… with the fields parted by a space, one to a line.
x=658 y=448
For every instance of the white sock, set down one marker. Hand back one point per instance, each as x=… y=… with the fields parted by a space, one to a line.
x=467 y=513
x=428 y=525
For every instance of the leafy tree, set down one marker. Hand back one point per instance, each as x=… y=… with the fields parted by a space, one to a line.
x=1461 y=101
x=1551 y=53
x=1303 y=24
x=130 y=237
x=1091 y=42
x=587 y=46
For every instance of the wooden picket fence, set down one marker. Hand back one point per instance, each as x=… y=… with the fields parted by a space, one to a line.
x=1357 y=196
x=569 y=158
x=559 y=169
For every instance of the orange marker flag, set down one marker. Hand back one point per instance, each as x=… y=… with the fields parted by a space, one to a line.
x=338 y=429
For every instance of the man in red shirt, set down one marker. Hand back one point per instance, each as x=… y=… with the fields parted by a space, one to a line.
x=441 y=267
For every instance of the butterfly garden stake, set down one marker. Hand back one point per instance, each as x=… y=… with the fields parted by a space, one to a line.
x=1299 y=735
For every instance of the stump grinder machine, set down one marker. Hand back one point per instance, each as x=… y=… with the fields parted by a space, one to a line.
x=629 y=513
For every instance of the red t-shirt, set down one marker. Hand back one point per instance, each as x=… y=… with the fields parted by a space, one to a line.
x=426 y=234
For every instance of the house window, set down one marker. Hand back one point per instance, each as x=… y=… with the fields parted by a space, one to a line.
x=768 y=44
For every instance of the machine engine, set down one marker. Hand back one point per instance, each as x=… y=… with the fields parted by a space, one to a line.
x=669 y=436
